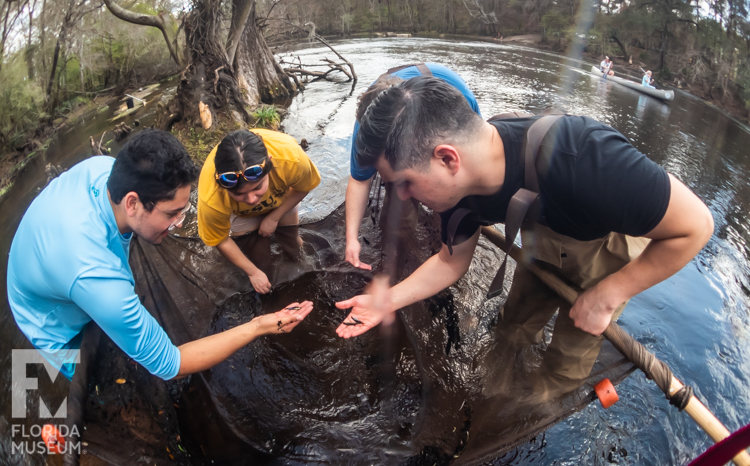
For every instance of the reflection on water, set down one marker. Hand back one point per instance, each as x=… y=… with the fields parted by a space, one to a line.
x=697 y=321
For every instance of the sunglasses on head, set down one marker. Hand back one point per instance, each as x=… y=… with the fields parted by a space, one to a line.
x=252 y=173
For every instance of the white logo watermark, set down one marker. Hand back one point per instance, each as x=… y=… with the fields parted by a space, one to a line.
x=22 y=384
x=38 y=438
x=49 y=438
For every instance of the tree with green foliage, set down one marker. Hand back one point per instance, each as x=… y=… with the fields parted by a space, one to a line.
x=226 y=76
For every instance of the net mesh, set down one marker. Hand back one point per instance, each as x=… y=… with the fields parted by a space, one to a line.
x=442 y=385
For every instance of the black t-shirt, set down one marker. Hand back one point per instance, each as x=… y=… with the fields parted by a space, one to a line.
x=592 y=181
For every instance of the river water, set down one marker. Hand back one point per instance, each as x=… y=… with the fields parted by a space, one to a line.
x=696 y=321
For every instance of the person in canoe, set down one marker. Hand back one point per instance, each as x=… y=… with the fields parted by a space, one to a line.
x=647 y=80
x=606 y=67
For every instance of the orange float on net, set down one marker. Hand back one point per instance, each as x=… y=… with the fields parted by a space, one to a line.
x=606 y=393
x=52 y=438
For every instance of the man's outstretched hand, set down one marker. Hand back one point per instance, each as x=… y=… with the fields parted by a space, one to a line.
x=285 y=320
x=367 y=310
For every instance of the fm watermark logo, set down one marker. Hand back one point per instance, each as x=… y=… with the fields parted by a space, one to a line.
x=29 y=437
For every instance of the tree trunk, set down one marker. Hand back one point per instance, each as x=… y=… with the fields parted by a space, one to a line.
x=52 y=102
x=80 y=70
x=621 y=45
x=41 y=37
x=62 y=37
x=29 y=50
x=209 y=77
x=224 y=79
x=663 y=45
x=4 y=34
x=260 y=77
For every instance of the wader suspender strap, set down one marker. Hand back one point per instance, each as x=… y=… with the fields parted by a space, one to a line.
x=523 y=199
x=420 y=66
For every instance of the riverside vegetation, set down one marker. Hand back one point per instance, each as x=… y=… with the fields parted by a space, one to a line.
x=57 y=56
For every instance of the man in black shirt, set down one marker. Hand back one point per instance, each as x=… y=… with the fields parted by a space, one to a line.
x=600 y=203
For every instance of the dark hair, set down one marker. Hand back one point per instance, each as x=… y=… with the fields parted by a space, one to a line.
x=406 y=122
x=365 y=99
x=154 y=165
x=238 y=150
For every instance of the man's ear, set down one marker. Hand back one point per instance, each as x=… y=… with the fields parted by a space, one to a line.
x=448 y=157
x=130 y=202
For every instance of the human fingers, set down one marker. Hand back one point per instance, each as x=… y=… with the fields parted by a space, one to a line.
x=350 y=331
x=359 y=321
x=301 y=310
x=286 y=324
x=587 y=319
x=263 y=288
x=351 y=302
x=363 y=266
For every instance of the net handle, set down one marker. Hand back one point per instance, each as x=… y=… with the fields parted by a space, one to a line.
x=637 y=353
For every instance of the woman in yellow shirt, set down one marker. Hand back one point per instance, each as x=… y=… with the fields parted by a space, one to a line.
x=253 y=180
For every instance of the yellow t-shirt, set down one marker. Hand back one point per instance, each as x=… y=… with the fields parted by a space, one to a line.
x=292 y=169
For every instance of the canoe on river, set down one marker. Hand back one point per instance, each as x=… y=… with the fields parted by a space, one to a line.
x=656 y=93
x=139 y=100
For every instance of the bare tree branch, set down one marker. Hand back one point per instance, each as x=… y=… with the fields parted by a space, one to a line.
x=160 y=21
x=324 y=42
x=242 y=9
x=476 y=10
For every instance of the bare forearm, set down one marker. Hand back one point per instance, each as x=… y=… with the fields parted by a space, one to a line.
x=428 y=280
x=686 y=227
x=229 y=249
x=436 y=274
x=660 y=260
x=207 y=352
x=292 y=199
x=357 y=193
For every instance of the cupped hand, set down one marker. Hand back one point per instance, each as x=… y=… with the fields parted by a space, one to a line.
x=260 y=282
x=352 y=255
x=267 y=226
x=285 y=320
x=367 y=310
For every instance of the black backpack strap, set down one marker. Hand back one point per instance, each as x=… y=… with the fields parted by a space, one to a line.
x=534 y=137
x=505 y=116
x=420 y=66
x=423 y=69
x=456 y=217
x=525 y=197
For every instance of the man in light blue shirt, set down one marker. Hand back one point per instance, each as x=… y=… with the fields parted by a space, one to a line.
x=358 y=188
x=68 y=262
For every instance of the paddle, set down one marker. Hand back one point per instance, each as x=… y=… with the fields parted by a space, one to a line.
x=630 y=348
x=653 y=81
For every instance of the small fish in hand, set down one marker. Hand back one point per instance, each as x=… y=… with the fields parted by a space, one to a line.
x=356 y=322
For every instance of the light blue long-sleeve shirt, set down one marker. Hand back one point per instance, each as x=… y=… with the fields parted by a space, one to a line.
x=438 y=71
x=646 y=81
x=68 y=265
